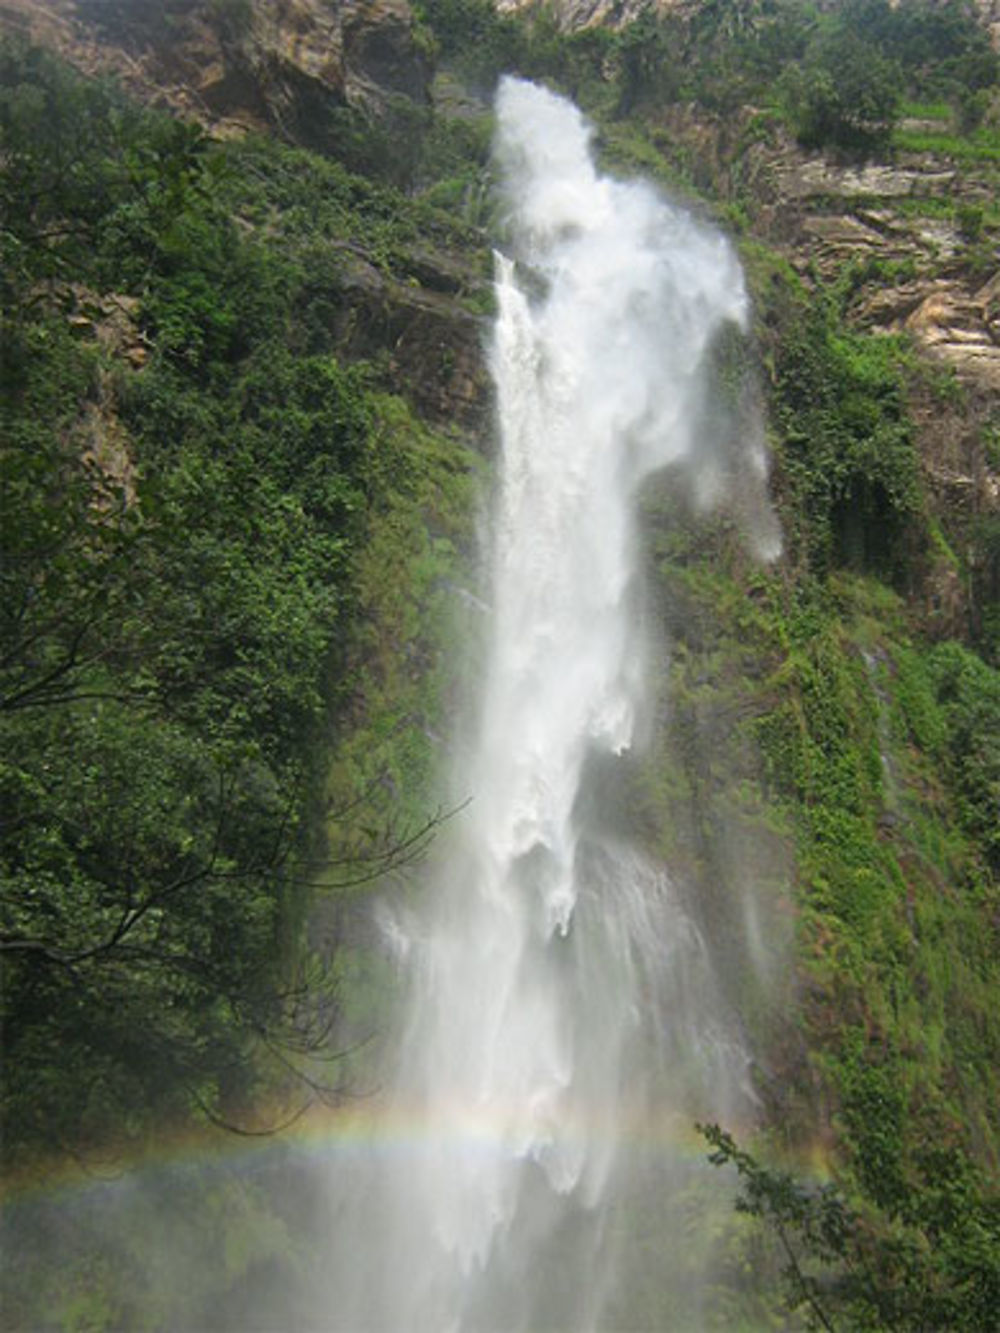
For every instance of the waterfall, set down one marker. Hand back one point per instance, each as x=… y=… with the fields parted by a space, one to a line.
x=561 y=1005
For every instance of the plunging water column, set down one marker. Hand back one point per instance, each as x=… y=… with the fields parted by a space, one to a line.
x=560 y=997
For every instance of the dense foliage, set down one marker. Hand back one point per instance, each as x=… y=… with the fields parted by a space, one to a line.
x=937 y=1268
x=838 y=73
x=874 y=748
x=201 y=501
x=179 y=577
x=848 y=450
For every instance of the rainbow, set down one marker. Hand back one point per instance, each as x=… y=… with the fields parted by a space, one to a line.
x=370 y=1127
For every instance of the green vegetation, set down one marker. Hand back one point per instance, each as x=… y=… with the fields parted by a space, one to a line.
x=217 y=1224
x=838 y=77
x=805 y=714
x=847 y=447
x=844 y=92
x=803 y=717
x=982 y=145
x=938 y=1268
x=180 y=600
x=230 y=548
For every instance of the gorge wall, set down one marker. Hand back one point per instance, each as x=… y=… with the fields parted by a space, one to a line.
x=282 y=353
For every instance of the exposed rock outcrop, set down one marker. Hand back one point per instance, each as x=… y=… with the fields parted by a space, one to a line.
x=584 y=13
x=899 y=223
x=817 y=176
x=290 y=66
x=240 y=64
x=961 y=329
x=294 y=65
x=989 y=13
x=589 y=13
x=434 y=344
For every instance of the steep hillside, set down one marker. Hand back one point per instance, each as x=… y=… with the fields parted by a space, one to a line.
x=215 y=359
x=285 y=65
x=246 y=434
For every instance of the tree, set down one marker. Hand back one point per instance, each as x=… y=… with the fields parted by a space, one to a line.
x=931 y=1260
x=176 y=552
x=645 y=51
x=845 y=93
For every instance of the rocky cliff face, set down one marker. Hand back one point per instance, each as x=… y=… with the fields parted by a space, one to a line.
x=583 y=13
x=913 y=240
x=887 y=218
x=301 y=69
x=236 y=65
x=293 y=67
x=989 y=11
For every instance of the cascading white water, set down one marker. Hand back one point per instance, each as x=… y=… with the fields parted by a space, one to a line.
x=560 y=996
